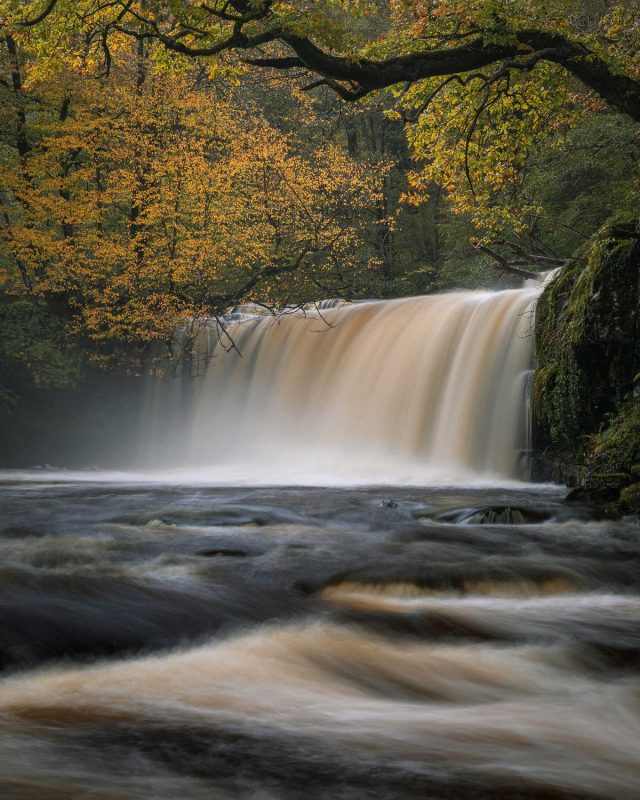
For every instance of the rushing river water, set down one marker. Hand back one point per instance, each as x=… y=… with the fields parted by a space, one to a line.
x=165 y=641
x=211 y=632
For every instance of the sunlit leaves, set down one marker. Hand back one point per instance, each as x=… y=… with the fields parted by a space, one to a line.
x=476 y=139
x=157 y=197
x=474 y=135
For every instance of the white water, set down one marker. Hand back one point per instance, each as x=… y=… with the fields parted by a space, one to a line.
x=410 y=391
x=287 y=643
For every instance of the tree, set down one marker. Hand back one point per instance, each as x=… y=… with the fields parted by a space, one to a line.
x=478 y=81
x=149 y=199
x=144 y=183
x=440 y=39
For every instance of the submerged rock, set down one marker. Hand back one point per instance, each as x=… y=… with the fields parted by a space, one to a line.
x=491 y=515
x=388 y=503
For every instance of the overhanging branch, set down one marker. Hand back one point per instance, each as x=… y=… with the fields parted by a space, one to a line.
x=503 y=265
x=29 y=23
x=251 y=24
x=620 y=91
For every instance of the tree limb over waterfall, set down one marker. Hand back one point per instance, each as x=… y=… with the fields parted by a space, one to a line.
x=514 y=258
x=208 y=29
x=355 y=79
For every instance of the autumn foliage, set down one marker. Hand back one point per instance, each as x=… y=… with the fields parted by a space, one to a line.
x=154 y=195
x=145 y=184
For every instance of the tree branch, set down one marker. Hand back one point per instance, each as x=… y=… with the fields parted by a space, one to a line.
x=353 y=78
x=504 y=265
x=620 y=91
x=289 y=62
x=365 y=75
x=29 y=23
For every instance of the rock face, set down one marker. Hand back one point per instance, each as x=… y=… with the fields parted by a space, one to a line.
x=586 y=391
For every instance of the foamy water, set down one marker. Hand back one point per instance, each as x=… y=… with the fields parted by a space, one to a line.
x=256 y=642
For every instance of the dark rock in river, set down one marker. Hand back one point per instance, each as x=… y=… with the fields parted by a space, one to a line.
x=491 y=515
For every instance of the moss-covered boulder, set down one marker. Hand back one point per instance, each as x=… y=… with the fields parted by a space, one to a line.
x=612 y=456
x=629 y=501
x=587 y=341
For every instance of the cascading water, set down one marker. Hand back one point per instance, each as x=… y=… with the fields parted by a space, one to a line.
x=417 y=390
x=168 y=640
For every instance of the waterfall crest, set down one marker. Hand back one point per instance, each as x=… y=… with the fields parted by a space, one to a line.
x=416 y=390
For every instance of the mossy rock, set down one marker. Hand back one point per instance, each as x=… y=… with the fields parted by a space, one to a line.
x=630 y=499
x=587 y=342
x=607 y=481
x=617 y=447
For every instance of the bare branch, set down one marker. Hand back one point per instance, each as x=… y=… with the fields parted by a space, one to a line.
x=288 y=62
x=503 y=264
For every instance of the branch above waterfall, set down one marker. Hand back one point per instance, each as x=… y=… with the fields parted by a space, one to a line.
x=303 y=38
x=514 y=258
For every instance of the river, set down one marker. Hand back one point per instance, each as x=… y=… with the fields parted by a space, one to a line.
x=322 y=575
x=163 y=640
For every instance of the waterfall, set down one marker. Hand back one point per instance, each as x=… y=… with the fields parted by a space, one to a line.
x=415 y=390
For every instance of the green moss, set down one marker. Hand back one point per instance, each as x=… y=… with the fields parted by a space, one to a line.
x=612 y=460
x=630 y=499
x=587 y=340
x=605 y=481
x=617 y=447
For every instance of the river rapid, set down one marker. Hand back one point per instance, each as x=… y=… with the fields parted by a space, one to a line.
x=169 y=641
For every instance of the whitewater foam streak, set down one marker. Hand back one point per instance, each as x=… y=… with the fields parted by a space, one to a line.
x=507 y=712
x=323 y=643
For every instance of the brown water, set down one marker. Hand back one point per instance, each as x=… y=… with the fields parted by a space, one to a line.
x=421 y=390
x=164 y=641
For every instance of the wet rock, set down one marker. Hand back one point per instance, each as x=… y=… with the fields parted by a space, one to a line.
x=630 y=499
x=579 y=495
x=231 y=552
x=492 y=515
x=593 y=504
x=603 y=482
x=585 y=396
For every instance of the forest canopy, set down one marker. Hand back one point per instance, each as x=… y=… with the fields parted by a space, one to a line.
x=165 y=161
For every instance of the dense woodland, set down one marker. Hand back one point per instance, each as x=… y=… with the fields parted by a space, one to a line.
x=162 y=162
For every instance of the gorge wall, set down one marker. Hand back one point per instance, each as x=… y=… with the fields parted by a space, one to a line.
x=586 y=390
